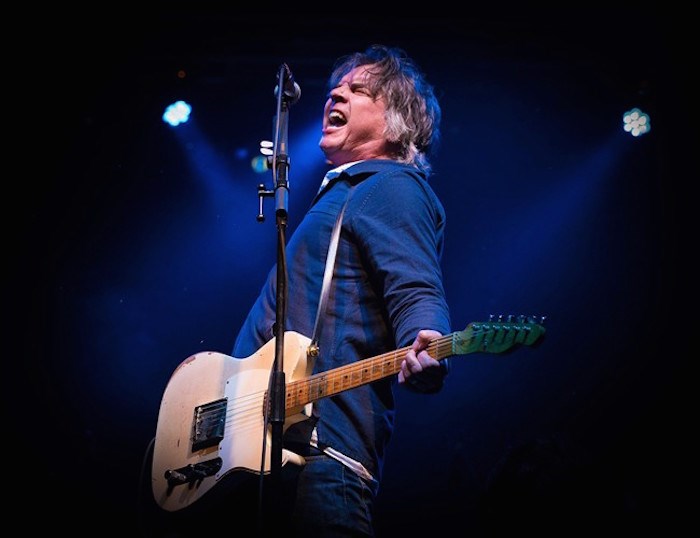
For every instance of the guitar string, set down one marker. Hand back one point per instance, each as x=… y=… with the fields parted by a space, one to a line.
x=247 y=410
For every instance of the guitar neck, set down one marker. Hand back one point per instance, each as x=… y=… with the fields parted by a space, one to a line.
x=356 y=374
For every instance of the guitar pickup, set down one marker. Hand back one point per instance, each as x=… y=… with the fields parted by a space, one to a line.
x=208 y=424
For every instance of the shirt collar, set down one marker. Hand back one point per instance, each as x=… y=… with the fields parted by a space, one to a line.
x=335 y=172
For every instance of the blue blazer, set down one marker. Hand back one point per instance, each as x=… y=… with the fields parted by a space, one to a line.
x=386 y=286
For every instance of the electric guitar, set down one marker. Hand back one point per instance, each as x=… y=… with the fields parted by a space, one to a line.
x=212 y=421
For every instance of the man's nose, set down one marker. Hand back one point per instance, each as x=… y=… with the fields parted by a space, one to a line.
x=338 y=93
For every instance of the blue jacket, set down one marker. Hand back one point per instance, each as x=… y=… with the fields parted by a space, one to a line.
x=386 y=286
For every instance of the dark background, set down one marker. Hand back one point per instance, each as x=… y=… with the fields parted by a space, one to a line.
x=137 y=245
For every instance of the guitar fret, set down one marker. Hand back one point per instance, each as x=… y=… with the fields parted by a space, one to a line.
x=356 y=374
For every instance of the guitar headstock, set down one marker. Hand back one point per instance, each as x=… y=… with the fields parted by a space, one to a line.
x=498 y=334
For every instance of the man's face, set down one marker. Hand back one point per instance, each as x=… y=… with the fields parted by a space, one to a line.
x=353 y=121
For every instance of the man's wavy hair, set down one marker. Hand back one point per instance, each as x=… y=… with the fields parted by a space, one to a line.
x=412 y=111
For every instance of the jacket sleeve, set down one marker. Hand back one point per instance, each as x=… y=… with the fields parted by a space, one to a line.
x=399 y=225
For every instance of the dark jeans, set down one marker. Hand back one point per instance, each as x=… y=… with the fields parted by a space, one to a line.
x=331 y=500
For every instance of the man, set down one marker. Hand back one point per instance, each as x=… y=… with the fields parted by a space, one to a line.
x=380 y=122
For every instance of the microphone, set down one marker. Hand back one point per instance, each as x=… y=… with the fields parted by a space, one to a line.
x=291 y=91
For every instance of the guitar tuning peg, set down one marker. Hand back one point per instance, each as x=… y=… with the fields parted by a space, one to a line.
x=510 y=318
x=491 y=316
x=500 y=318
x=542 y=319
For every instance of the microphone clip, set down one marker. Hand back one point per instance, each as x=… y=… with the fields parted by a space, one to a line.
x=291 y=91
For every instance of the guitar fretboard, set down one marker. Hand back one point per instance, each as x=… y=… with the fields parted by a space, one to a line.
x=321 y=385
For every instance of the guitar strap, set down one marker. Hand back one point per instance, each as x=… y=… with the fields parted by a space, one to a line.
x=313 y=349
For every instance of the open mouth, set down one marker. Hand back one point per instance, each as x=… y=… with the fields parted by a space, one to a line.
x=336 y=119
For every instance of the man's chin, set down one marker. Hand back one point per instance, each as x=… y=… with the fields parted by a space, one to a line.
x=331 y=153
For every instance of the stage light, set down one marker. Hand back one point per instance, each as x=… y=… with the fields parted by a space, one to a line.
x=177 y=113
x=636 y=122
x=259 y=164
x=266 y=147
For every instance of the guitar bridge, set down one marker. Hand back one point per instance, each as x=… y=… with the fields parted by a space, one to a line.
x=208 y=424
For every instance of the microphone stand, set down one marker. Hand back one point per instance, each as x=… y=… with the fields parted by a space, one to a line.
x=279 y=161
